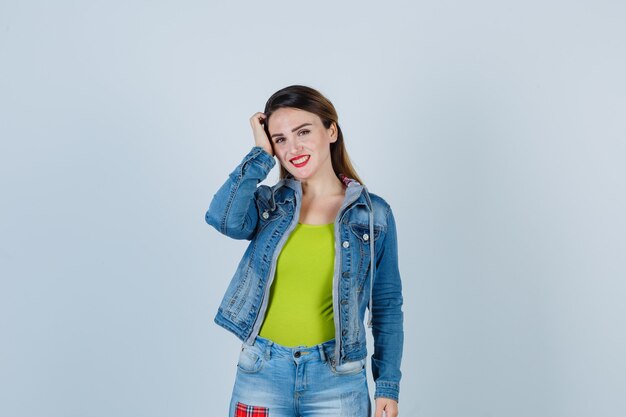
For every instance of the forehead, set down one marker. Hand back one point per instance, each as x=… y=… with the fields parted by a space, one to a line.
x=286 y=118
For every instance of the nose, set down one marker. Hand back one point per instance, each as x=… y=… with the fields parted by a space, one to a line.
x=295 y=147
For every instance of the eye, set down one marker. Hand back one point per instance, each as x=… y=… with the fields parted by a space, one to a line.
x=304 y=132
x=278 y=140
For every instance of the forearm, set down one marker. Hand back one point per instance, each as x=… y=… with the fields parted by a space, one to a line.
x=387 y=329
x=232 y=210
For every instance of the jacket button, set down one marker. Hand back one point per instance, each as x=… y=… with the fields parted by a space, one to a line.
x=346 y=244
x=345 y=274
x=297 y=354
x=344 y=332
x=366 y=237
x=344 y=302
x=265 y=215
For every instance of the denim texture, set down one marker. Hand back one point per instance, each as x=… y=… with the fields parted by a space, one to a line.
x=299 y=381
x=243 y=209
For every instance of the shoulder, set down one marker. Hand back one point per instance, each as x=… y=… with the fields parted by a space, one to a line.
x=378 y=202
x=383 y=215
x=379 y=205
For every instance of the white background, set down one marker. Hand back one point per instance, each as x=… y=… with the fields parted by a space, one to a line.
x=496 y=130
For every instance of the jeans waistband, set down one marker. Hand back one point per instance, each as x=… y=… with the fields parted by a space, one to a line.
x=323 y=351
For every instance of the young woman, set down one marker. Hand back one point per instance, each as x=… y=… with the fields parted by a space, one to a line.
x=322 y=250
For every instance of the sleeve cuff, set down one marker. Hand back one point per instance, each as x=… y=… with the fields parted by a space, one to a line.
x=261 y=157
x=387 y=390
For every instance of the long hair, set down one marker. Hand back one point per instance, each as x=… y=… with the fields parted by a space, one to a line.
x=311 y=100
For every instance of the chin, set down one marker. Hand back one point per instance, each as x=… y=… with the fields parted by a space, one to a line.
x=298 y=175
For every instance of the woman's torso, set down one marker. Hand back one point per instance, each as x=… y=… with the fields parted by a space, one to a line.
x=244 y=304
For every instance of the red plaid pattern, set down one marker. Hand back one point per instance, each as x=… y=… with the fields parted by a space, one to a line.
x=243 y=410
x=346 y=180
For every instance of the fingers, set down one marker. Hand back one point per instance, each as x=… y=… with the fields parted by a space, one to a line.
x=379 y=408
x=389 y=406
x=257 y=121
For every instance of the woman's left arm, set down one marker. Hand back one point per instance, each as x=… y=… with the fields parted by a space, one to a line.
x=387 y=316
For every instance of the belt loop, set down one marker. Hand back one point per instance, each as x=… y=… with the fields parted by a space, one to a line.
x=322 y=353
x=330 y=354
x=268 y=350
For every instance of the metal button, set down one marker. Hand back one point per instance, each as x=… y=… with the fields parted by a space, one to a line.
x=297 y=354
x=344 y=332
x=366 y=237
x=346 y=244
x=345 y=274
x=265 y=215
x=344 y=302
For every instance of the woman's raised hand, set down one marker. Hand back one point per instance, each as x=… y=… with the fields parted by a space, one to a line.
x=257 y=121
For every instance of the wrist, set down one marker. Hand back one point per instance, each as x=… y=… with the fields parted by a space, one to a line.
x=389 y=390
x=267 y=149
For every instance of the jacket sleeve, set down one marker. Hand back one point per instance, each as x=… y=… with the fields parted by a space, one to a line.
x=387 y=316
x=233 y=209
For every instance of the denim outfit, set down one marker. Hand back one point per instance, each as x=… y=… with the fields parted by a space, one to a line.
x=365 y=274
x=280 y=381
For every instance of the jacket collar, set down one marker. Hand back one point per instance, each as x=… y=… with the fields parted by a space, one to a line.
x=354 y=189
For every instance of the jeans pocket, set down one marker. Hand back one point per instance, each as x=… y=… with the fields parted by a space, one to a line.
x=348 y=368
x=250 y=360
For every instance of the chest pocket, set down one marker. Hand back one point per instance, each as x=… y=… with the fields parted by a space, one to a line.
x=361 y=249
x=362 y=231
x=267 y=215
x=272 y=208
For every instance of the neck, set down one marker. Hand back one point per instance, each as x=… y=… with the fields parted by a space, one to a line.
x=322 y=185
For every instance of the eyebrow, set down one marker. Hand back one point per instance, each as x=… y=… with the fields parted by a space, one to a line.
x=294 y=129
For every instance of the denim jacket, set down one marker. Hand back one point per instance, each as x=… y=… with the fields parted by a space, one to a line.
x=365 y=254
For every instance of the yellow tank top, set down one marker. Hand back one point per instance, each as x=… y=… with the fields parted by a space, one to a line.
x=300 y=308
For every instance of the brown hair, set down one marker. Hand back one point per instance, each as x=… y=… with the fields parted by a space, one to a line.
x=311 y=100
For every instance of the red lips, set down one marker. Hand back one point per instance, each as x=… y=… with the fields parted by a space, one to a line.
x=300 y=160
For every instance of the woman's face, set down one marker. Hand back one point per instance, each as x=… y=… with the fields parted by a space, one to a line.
x=301 y=142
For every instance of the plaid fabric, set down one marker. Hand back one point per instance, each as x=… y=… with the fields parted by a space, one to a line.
x=346 y=180
x=243 y=410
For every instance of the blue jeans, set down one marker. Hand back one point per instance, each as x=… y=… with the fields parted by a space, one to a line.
x=280 y=381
